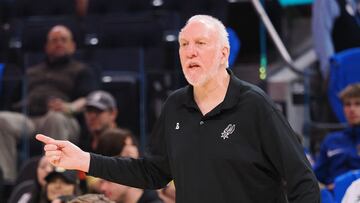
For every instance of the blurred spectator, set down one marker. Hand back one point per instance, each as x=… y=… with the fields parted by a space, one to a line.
x=12 y=126
x=340 y=151
x=335 y=27
x=100 y=114
x=32 y=194
x=60 y=182
x=118 y=142
x=352 y=194
x=57 y=86
x=121 y=142
x=91 y=198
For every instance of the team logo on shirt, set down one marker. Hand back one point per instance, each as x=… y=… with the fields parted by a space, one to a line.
x=177 y=127
x=228 y=131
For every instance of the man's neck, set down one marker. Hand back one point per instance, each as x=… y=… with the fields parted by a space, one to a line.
x=212 y=93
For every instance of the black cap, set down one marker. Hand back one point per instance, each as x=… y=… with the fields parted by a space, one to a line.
x=70 y=176
x=101 y=100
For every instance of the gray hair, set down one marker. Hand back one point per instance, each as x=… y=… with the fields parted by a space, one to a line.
x=223 y=34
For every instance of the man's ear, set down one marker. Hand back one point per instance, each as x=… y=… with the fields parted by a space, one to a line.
x=114 y=114
x=225 y=52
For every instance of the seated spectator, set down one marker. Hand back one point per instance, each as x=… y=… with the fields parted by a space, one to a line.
x=113 y=142
x=38 y=184
x=340 y=151
x=12 y=126
x=91 y=198
x=60 y=182
x=56 y=90
x=100 y=114
x=57 y=87
x=118 y=142
x=352 y=194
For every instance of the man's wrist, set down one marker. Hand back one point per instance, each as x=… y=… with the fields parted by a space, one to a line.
x=85 y=162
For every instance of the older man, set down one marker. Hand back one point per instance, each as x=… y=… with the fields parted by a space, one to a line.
x=219 y=138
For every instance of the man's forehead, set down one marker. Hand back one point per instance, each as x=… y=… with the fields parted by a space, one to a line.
x=59 y=31
x=198 y=27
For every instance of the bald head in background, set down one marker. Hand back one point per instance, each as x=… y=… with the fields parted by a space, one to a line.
x=59 y=43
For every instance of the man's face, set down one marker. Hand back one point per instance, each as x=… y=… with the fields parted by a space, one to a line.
x=113 y=191
x=98 y=120
x=59 y=43
x=201 y=53
x=352 y=110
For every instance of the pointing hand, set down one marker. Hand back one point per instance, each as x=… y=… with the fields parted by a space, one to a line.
x=65 y=154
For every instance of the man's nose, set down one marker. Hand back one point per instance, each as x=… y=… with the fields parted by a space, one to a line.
x=191 y=51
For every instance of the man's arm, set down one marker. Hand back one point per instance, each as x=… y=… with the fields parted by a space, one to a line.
x=151 y=172
x=287 y=156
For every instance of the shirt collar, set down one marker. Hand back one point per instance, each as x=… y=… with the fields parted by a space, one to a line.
x=231 y=98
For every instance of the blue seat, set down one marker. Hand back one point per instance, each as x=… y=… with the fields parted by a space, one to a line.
x=326 y=196
x=234 y=46
x=342 y=182
x=344 y=70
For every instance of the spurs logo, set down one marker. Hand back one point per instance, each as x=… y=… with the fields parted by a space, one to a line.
x=177 y=127
x=228 y=131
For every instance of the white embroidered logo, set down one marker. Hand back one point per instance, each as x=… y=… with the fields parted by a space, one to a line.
x=177 y=127
x=228 y=131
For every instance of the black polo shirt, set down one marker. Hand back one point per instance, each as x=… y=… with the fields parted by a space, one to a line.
x=241 y=151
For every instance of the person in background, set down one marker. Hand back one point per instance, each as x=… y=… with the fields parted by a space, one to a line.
x=121 y=142
x=55 y=91
x=60 y=182
x=340 y=151
x=219 y=138
x=352 y=194
x=335 y=27
x=32 y=193
x=12 y=127
x=100 y=114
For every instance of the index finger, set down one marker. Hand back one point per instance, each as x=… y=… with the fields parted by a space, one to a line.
x=44 y=139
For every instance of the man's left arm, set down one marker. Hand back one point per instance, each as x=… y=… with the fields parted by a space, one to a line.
x=285 y=152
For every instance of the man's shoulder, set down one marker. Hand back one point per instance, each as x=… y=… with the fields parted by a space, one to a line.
x=179 y=95
x=252 y=93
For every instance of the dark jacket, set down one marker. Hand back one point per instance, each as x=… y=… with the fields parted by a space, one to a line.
x=67 y=79
x=242 y=151
x=339 y=153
